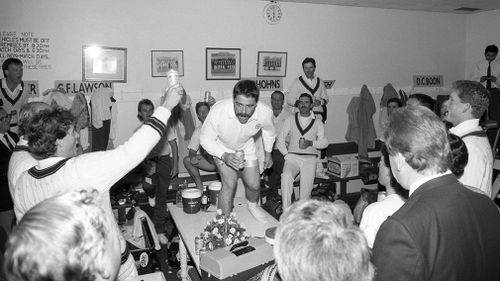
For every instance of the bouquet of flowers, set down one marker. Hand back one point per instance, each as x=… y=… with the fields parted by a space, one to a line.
x=222 y=231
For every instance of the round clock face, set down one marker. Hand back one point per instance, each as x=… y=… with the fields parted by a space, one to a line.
x=273 y=13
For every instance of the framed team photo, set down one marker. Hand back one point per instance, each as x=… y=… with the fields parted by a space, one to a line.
x=271 y=64
x=164 y=60
x=223 y=63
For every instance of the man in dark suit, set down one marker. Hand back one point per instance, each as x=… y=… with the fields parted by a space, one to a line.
x=8 y=141
x=444 y=231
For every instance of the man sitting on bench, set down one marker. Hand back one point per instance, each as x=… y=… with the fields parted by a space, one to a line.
x=198 y=159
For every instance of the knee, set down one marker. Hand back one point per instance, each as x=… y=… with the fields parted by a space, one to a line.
x=187 y=161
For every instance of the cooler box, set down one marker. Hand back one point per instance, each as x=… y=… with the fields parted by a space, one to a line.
x=222 y=264
x=343 y=166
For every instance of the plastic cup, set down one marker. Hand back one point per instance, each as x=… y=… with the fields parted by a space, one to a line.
x=213 y=192
x=191 y=200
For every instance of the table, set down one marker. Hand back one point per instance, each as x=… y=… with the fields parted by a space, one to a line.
x=191 y=225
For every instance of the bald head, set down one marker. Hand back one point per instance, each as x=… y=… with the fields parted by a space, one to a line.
x=28 y=111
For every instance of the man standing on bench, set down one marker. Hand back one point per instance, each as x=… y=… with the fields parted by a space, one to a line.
x=230 y=127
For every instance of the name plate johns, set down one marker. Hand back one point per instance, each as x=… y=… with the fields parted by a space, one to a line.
x=427 y=80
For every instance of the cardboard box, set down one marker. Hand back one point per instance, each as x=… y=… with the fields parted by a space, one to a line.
x=222 y=264
x=343 y=166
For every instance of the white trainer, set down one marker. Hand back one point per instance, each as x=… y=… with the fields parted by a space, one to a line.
x=258 y=213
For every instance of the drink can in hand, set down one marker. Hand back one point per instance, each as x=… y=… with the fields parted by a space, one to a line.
x=302 y=141
x=207 y=96
x=241 y=154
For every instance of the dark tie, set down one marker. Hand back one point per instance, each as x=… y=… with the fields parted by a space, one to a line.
x=488 y=73
x=11 y=147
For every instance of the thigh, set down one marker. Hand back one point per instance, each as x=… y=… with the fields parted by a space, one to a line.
x=227 y=174
x=291 y=166
x=251 y=176
x=206 y=165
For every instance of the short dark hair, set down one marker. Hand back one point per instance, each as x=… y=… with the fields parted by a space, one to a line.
x=424 y=100
x=473 y=93
x=420 y=137
x=140 y=104
x=491 y=49
x=279 y=93
x=396 y=100
x=306 y=95
x=8 y=62
x=200 y=104
x=459 y=155
x=309 y=60
x=247 y=88
x=45 y=129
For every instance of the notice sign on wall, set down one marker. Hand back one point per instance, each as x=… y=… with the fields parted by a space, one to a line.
x=31 y=49
x=268 y=83
x=75 y=86
x=427 y=80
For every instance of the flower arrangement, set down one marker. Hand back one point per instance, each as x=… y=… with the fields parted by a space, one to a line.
x=222 y=231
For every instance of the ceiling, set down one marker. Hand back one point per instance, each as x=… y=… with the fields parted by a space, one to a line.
x=442 y=6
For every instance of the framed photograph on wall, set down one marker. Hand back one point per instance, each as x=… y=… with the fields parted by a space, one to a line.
x=271 y=64
x=164 y=60
x=104 y=64
x=223 y=64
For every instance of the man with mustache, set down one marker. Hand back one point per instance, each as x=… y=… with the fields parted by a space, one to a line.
x=231 y=126
x=307 y=135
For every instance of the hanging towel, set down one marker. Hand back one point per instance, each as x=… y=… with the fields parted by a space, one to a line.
x=352 y=133
x=138 y=233
x=100 y=104
x=367 y=133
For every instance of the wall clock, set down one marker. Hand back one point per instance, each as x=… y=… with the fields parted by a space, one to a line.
x=273 y=12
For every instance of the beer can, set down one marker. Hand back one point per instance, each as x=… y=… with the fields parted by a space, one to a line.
x=198 y=244
x=302 y=140
x=241 y=154
x=172 y=77
x=207 y=96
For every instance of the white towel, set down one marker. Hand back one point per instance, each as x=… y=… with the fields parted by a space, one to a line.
x=101 y=103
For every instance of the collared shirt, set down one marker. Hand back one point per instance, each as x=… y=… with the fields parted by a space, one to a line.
x=481 y=69
x=479 y=170
x=278 y=122
x=376 y=213
x=420 y=182
x=222 y=131
x=280 y=119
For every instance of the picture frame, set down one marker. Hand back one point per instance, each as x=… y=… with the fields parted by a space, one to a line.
x=223 y=63
x=271 y=64
x=104 y=64
x=164 y=60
